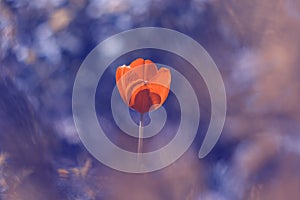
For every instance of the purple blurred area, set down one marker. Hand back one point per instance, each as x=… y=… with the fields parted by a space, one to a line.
x=255 y=45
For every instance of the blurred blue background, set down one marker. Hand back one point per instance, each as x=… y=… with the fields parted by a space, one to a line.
x=255 y=45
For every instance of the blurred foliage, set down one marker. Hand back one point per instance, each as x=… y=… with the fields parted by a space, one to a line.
x=255 y=44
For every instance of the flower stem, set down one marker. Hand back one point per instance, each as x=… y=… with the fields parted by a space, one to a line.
x=140 y=143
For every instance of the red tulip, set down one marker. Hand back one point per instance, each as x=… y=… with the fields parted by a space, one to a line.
x=142 y=86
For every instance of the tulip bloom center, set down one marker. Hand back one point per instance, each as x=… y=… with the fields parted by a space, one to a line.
x=144 y=100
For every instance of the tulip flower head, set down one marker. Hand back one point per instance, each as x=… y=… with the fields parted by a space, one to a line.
x=142 y=86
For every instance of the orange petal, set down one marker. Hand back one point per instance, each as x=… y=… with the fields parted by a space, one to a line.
x=138 y=66
x=163 y=77
x=161 y=90
x=137 y=62
x=121 y=71
x=130 y=88
x=160 y=84
x=125 y=77
x=150 y=70
x=120 y=81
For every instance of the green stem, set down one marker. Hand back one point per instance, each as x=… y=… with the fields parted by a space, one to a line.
x=140 y=143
